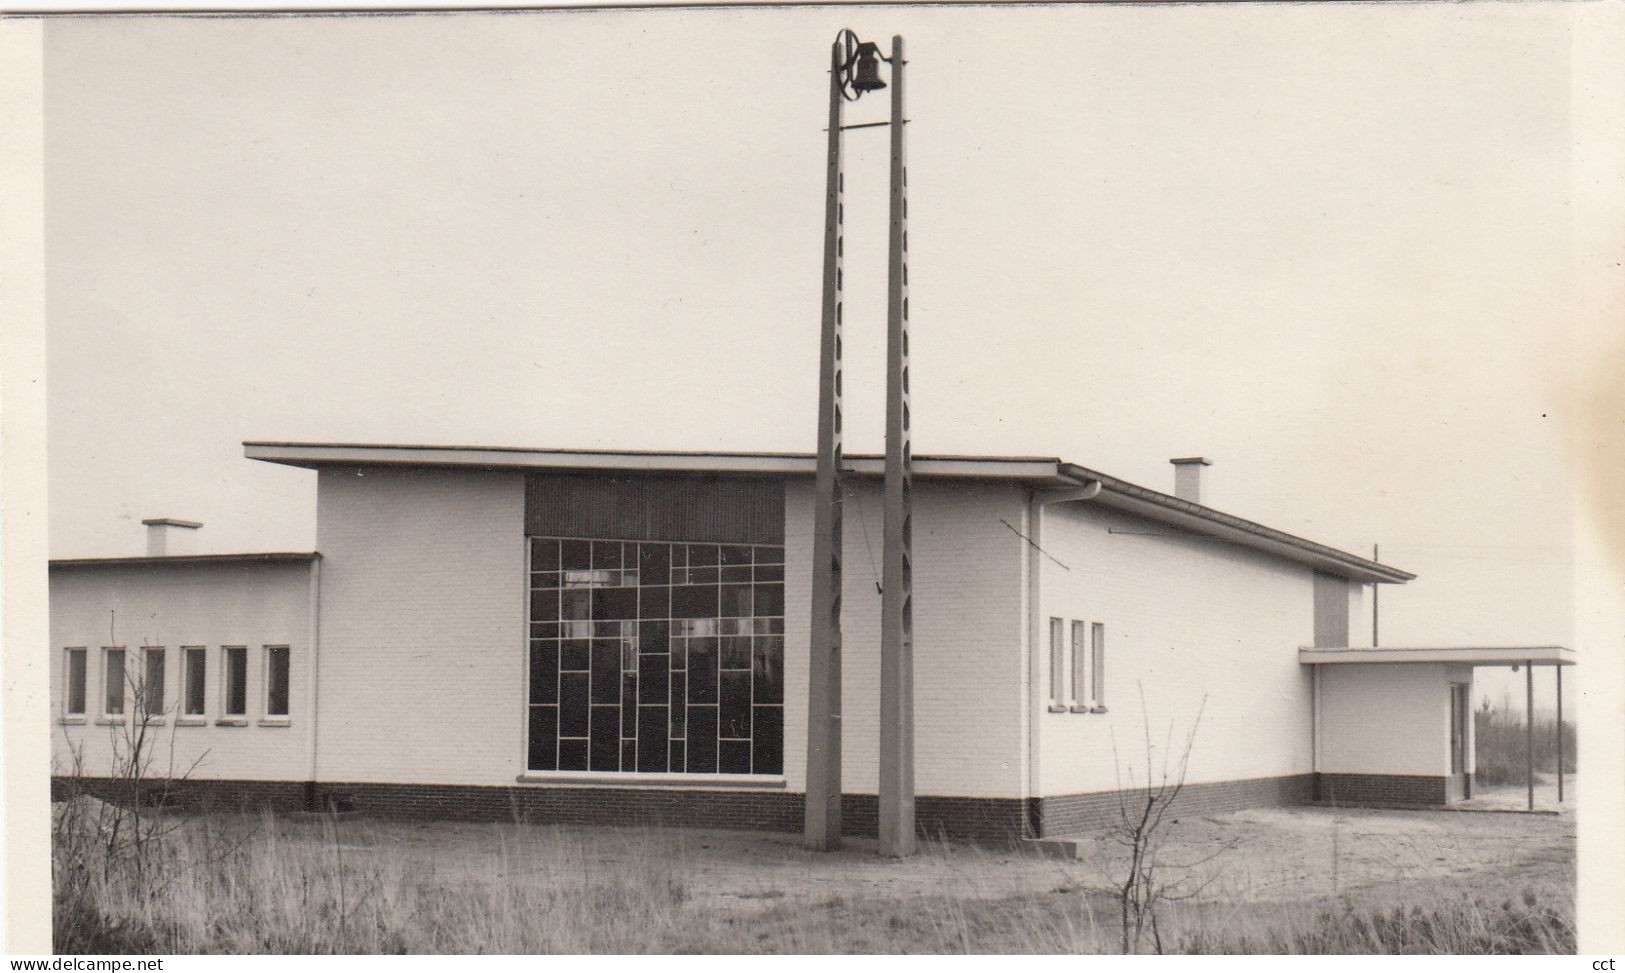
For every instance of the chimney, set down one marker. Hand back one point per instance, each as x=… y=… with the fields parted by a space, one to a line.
x=167 y=536
x=1188 y=477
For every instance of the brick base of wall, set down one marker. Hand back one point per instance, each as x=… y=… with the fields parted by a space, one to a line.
x=1069 y=814
x=197 y=795
x=958 y=818
x=1350 y=789
x=990 y=820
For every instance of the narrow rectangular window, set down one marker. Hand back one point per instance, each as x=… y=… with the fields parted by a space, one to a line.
x=276 y=680
x=1097 y=684
x=1057 y=663
x=1080 y=664
x=113 y=682
x=234 y=680
x=74 y=704
x=152 y=681
x=194 y=660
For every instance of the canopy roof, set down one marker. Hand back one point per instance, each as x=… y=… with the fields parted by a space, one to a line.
x=1462 y=655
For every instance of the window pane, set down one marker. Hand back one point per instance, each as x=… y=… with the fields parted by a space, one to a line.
x=652 y=749
x=767 y=740
x=702 y=739
x=605 y=753
x=1080 y=662
x=575 y=555
x=606 y=671
x=76 y=681
x=544 y=554
x=768 y=669
x=733 y=757
x=735 y=709
x=236 y=676
x=572 y=754
x=276 y=677
x=152 y=683
x=1098 y=643
x=195 y=671
x=544 y=737
x=115 y=682
x=1057 y=661
x=572 y=708
x=544 y=671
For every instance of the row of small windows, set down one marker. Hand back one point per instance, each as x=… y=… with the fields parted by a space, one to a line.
x=139 y=684
x=1082 y=657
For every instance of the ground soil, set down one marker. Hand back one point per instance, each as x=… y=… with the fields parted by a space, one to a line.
x=1288 y=855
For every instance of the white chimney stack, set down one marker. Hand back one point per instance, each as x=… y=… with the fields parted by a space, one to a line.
x=167 y=536
x=1188 y=477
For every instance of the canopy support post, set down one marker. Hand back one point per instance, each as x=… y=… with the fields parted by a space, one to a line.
x=1529 y=728
x=1559 y=672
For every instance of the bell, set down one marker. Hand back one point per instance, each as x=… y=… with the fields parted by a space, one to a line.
x=867 y=76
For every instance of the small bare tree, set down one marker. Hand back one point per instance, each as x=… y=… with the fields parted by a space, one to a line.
x=117 y=838
x=1142 y=827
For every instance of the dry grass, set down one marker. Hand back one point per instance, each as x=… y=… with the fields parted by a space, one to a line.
x=323 y=885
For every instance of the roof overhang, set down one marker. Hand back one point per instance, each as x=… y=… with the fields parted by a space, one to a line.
x=1193 y=517
x=1463 y=655
x=1032 y=470
x=1036 y=472
x=186 y=560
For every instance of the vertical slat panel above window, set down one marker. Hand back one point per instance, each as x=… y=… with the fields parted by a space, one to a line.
x=739 y=510
x=1331 y=611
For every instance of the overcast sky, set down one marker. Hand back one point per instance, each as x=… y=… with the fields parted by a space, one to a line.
x=1326 y=246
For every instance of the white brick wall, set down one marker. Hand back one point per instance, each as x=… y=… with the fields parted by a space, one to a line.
x=423 y=643
x=1388 y=719
x=968 y=678
x=1185 y=618
x=230 y=603
x=422 y=626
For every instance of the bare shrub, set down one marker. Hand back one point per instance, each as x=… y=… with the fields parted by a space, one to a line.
x=1148 y=880
x=112 y=832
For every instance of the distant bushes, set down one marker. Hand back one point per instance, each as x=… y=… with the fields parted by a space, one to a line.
x=1499 y=741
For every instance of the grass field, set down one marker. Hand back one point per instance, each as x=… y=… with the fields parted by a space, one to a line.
x=1298 y=880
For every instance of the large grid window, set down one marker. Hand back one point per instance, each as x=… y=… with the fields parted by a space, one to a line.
x=656 y=657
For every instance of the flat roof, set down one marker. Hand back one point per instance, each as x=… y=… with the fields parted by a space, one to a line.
x=1039 y=472
x=1470 y=655
x=180 y=560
